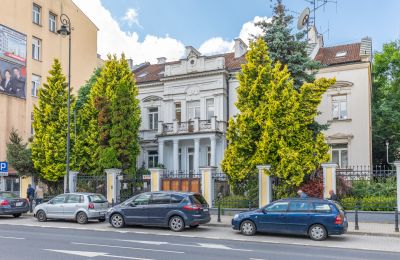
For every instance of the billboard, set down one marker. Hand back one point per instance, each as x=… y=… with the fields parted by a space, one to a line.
x=12 y=62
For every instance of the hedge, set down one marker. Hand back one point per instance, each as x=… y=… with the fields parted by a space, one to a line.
x=379 y=203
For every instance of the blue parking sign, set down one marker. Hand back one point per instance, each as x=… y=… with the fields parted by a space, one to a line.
x=3 y=168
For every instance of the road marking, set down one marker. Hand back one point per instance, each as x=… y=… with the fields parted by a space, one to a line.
x=93 y=254
x=18 y=238
x=198 y=245
x=133 y=248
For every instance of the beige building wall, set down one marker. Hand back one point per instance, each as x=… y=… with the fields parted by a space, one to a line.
x=17 y=15
x=353 y=80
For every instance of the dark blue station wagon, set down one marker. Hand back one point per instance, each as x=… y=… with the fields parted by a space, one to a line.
x=175 y=210
x=316 y=218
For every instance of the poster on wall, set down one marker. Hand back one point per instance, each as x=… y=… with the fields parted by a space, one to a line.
x=12 y=62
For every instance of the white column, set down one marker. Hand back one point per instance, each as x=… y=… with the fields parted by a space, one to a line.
x=397 y=164
x=175 y=155
x=213 y=144
x=160 y=152
x=264 y=185
x=196 y=154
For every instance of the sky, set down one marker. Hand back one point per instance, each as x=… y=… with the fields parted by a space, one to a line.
x=147 y=29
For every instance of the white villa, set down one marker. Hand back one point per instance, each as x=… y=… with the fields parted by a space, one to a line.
x=186 y=105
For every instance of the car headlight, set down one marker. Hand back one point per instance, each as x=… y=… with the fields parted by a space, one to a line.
x=236 y=216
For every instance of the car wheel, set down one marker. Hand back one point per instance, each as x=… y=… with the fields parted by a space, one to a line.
x=81 y=218
x=317 y=232
x=17 y=215
x=117 y=221
x=41 y=216
x=102 y=219
x=248 y=228
x=176 y=224
x=194 y=226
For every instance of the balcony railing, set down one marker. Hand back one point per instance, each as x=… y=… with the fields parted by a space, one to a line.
x=192 y=126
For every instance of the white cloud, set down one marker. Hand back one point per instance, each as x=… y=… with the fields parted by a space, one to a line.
x=250 y=29
x=111 y=39
x=131 y=17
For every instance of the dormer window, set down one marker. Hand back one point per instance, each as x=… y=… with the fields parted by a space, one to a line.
x=340 y=54
x=144 y=74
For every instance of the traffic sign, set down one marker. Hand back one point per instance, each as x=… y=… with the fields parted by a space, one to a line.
x=3 y=168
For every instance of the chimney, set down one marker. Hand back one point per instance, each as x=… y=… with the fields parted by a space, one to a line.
x=366 y=49
x=240 y=48
x=161 y=60
x=130 y=63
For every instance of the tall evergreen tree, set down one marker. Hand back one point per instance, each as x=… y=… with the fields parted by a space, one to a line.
x=272 y=126
x=288 y=48
x=19 y=155
x=50 y=126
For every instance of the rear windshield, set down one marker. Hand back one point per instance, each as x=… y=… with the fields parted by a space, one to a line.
x=97 y=198
x=8 y=195
x=338 y=206
x=198 y=199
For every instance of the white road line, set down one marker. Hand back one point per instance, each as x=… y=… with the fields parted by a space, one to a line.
x=126 y=247
x=94 y=254
x=18 y=238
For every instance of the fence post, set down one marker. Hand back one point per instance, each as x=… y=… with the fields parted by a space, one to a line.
x=219 y=208
x=155 y=179
x=397 y=164
x=329 y=171
x=264 y=185
x=396 y=219
x=72 y=181
x=207 y=183
x=112 y=187
x=356 y=227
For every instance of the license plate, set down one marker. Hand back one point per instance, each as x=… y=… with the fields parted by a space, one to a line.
x=206 y=210
x=19 y=204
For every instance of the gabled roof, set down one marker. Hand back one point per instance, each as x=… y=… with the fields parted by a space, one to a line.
x=154 y=72
x=339 y=54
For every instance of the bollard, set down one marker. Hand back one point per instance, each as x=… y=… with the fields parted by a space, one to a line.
x=396 y=219
x=219 y=209
x=356 y=227
x=249 y=205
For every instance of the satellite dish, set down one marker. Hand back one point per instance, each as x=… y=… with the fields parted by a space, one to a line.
x=303 y=18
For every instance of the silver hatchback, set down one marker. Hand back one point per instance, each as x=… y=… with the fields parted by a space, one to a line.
x=78 y=206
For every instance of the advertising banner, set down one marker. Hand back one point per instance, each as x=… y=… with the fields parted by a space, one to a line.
x=12 y=62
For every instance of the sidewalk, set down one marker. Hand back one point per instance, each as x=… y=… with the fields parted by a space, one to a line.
x=371 y=229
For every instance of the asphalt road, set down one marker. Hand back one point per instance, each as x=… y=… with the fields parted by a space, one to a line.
x=28 y=242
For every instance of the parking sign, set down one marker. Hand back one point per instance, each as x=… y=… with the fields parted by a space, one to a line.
x=3 y=168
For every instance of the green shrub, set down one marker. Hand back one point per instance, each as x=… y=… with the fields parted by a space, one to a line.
x=382 y=187
x=378 y=203
x=236 y=201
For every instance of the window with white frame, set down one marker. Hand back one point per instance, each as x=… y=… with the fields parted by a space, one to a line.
x=52 y=22
x=153 y=118
x=339 y=107
x=152 y=159
x=210 y=108
x=36 y=11
x=193 y=109
x=340 y=154
x=36 y=48
x=36 y=81
x=178 y=111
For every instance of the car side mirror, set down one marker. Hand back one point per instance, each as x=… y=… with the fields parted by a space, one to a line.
x=132 y=204
x=51 y=202
x=264 y=211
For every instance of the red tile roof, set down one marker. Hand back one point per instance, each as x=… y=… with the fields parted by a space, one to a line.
x=154 y=72
x=327 y=56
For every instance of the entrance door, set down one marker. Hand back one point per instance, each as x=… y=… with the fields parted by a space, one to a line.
x=12 y=185
x=191 y=159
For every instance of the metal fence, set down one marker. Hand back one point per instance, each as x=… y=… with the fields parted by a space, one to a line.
x=91 y=183
x=367 y=188
x=130 y=186
x=51 y=188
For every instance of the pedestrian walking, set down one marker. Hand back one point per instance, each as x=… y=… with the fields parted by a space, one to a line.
x=39 y=194
x=302 y=194
x=332 y=195
x=30 y=195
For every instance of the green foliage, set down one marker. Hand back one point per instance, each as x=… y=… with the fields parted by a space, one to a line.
x=288 y=48
x=379 y=203
x=386 y=187
x=237 y=202
x=108 y=158
x=385 y=103
x=50 y=126
x=273 y=124
x=19 y=155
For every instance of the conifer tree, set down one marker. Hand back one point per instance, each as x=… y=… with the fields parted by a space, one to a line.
x=272 y=126
x=50 y=126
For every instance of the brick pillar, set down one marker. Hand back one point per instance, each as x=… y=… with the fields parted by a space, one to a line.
x=264 y=185
x=112 y=186
x=207 y=183
x=397 y=164
x=155 y=179
x=329 y=171
x=23 y=185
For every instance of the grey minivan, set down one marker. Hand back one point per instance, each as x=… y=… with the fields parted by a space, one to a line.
x=78 y=206
x=175 y=210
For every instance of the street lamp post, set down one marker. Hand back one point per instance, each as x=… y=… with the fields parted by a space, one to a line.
x=387 y=151
x=65 y=30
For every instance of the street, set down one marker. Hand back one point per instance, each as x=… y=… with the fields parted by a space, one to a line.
x=28 y=239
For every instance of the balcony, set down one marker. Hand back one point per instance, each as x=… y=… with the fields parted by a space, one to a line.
x=194 y=126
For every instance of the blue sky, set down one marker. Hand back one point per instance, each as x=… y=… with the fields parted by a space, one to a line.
x=194 y=22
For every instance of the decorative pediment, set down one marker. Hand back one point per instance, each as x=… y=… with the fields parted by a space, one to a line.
x=151 y=99
x=339 y=136
x=342 y=84
x=191 y=52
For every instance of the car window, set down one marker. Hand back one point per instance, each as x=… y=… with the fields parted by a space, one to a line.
x=74 y=198
x=176 y=198
x=198 y=199
x=322 y=207
x=97 y=198
x=8 y=195
x=278 y=207
x=296 y=206
x=142 y=199
x=339 y=206
x=160 y=198
x=59 y=199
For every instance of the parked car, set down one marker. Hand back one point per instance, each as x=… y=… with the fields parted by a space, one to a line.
x=11 y=204
x=175 y=210
x=78 y=206
x=316 y=218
